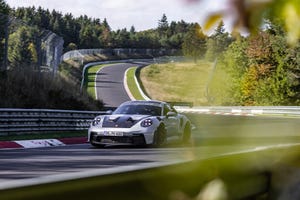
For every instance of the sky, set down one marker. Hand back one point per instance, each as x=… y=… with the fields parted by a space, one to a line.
x=142 y=14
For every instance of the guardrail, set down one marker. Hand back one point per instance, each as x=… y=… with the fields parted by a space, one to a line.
x=36 y=120
x=248 y=110
x=134 y=53
x=39 y=120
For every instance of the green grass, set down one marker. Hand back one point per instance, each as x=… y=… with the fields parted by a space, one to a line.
x=89 y=78
x=192 y=82
x=184 y=82
x=132 y=84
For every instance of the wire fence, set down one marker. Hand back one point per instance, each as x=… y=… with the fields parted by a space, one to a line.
x=119 y=52
x=26 y=45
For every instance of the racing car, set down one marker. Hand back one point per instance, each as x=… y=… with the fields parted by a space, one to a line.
x=140 y=123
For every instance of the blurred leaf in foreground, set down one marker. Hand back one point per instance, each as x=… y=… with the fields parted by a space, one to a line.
x=250 y=15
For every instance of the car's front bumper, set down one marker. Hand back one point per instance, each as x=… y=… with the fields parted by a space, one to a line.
x=99 y=135
x=131 y=139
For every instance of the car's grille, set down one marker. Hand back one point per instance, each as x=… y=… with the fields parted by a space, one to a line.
x=135 y=139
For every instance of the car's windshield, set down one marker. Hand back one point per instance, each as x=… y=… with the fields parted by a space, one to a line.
x=139 y=109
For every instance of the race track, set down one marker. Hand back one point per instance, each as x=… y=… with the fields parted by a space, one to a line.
x=109 y=84
x=214 y=135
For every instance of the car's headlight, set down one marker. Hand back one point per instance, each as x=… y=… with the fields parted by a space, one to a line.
x=147 y=123
x=96 y=121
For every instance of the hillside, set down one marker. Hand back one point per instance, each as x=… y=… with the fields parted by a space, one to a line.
x=28 y=89
x=181 y=82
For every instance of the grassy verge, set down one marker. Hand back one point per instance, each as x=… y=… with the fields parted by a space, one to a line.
x=177 y=81
x=46 y=135
x=185 y=82
x=89 y=78
x=132 y=84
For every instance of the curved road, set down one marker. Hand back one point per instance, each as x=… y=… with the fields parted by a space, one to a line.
x=109 y=84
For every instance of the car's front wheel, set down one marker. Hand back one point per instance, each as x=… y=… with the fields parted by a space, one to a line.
x=97 y=145
x=160 y=136
x=186 y=134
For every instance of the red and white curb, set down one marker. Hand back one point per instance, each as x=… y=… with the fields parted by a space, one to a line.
x=41 y=143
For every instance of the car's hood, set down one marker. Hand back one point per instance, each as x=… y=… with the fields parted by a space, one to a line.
x=122 y=121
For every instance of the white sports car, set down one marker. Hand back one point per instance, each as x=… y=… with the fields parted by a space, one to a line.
x=140 y=123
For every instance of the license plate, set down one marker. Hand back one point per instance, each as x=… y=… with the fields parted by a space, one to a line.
x=113 y=133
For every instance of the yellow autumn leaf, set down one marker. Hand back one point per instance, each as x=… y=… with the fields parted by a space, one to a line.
x=212 y=20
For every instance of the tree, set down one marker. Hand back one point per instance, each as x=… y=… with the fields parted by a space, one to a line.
x=20 y=52
x=106 y=25
x=106 y=38
x=56 y=22
x=217 y=43
x=4 y=10
x=268 y=54
x=71 y=30
x=163 y=25
x=88 y=37
x=86 y=32
x=194 y=44
x=42 y=18
x=264 y=69
x=122 y=38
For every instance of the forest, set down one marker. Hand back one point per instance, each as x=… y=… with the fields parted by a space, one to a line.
x=85 y=32
x=263 y=68
x=25 y=27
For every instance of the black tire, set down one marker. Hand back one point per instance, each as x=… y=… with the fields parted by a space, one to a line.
x=186 y=137
x=97 y=145
x=160 y=136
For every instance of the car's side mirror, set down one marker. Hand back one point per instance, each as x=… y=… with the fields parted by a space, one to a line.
x=109 y=112
x=171 y=114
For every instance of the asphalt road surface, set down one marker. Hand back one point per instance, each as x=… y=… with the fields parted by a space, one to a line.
x=21 y=164
x=109 y=84
x=38 y=162
x=214 y=135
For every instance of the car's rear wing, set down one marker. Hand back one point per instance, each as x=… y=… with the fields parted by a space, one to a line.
x=184 y=104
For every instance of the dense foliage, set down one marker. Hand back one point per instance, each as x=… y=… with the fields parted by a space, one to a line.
x=264 y=69
x=28 y=25
x=85 y=32
x=3 y=23
x=194 y=44
x=218 y=42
